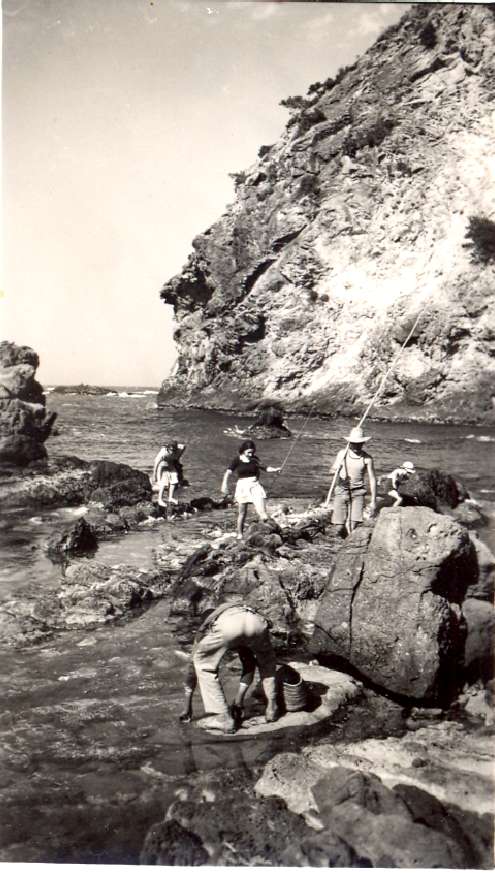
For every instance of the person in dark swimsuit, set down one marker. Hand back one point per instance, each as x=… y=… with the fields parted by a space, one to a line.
x=249 y=489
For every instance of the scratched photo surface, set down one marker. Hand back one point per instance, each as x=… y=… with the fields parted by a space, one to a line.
x=247 y=425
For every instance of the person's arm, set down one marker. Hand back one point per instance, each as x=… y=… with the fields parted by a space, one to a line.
x=273 y=469
x=189 y=689
x=372 y=480
x=157 y=462
x=225 y=481
x=338 y=461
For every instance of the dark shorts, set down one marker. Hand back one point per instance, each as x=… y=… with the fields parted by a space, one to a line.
x=341 y=503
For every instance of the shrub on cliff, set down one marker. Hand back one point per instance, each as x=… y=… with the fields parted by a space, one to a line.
x=481 y=233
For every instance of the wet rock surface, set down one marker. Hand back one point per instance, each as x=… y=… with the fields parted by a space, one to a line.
x=89 y=594
x=25 y=424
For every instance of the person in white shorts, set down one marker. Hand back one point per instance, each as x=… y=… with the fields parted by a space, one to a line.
x=166 y=470
x=247 y=467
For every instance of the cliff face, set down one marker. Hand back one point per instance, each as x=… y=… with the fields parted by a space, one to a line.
x=375 y=205
x=25 y=423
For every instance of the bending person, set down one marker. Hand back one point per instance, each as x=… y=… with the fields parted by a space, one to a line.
x=352 y=464
x=248 y=488
x=167 y=470
x=239 y=628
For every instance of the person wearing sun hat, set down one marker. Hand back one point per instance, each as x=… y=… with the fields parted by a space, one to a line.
x=350 y=467
x=399 y=475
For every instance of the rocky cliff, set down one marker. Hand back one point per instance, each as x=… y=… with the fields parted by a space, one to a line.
x=25 y=423
x=375 y=206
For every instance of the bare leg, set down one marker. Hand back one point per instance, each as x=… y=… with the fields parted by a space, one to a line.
x=161 y=490
x=237 y=707
x=260 y=507
x=171 y=489
x=241 y=518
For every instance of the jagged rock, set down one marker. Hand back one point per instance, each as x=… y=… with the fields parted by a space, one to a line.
x=269 y=423
x=358 y=220
x=273 y=569
x=392 y=606
x=432 y=488
x=484 y=586
x=82 y=389
x=90 y=594
x=80 y=539
x=25 y=424
x=168 y=843
x=399 y=802
x=479 y=653
x=256 y=834
x=69 y=481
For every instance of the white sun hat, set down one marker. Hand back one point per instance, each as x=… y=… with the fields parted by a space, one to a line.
x=357 y=436
x=409 y=466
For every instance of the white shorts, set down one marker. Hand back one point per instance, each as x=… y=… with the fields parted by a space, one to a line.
x=249 y=490
x=169 y=477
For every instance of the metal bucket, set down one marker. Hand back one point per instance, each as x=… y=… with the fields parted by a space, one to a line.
x=295 y=696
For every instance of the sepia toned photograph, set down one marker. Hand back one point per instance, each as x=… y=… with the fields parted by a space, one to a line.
x=247 y=428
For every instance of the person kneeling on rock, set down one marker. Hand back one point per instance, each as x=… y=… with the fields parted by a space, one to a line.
x=232 y=627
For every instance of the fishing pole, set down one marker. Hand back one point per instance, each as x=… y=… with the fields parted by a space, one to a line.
x=374 y=399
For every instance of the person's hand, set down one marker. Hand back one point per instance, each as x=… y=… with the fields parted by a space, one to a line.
x=372 y=508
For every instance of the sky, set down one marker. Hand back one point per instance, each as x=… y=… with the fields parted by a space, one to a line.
x=122 y=120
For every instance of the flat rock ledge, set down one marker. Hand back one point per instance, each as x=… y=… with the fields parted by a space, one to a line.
x=424 y=799
x=331 y=688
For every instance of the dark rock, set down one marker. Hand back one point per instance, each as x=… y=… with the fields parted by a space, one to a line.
x=479 y=656
x=168 y=843
x=379 y=824
x=416 y=566
x=80 y=539
x=90 y=594
x=432 y=488
x=25 y=424
x=69 y=481
x=94 y=390
x=483 y=587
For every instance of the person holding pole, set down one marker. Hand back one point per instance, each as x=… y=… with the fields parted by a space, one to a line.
x=350 y=468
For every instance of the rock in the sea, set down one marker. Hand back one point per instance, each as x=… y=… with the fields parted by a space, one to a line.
x=79 y=539
x=392 y=606
x=25 y=424
x=70 y=481
x=268 y=423
x=94 y=390
x=90 y=594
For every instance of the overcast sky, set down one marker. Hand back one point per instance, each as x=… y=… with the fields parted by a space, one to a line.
x=121 y=122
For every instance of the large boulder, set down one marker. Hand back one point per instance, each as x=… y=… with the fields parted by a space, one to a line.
x=70 y=481
x=432 y=488
x=25 y=424
x=392 y=605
